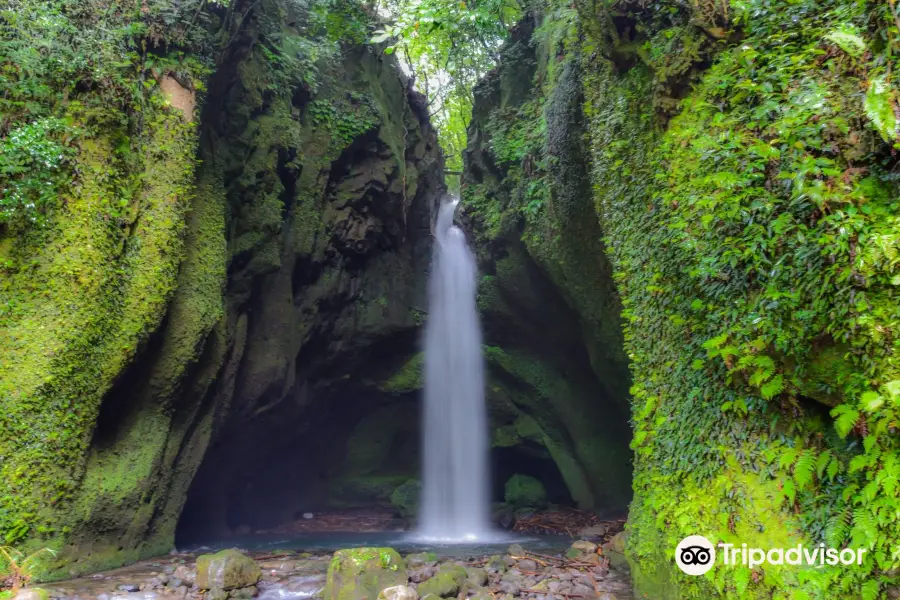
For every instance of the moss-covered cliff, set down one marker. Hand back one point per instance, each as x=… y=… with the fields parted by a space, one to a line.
x=153 y=303
x=740 y=162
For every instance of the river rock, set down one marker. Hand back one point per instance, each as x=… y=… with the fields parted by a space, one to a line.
x=361 y=573
x=32 y=594
x=226 y=570
x=594 y=531
x=398 y=592
x=516 y=550
x=614 y=550
x=527 y=565
x=495 y=564
x=185 y=574
x=421 y=558
x=446 y=582
x=475 y=576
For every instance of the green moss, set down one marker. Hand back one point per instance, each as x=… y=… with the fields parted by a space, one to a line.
x=361 y=573
x=525 y=491
x=445 y=583
x=408 y=378
x=405 y=498
x=97 y=293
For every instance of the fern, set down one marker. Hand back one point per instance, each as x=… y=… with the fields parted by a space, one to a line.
x=865 y=528
x=804 y=467
x=822 y=462
x=837 y=528
x=845 y=419
x=870 y=590
x=773 y=388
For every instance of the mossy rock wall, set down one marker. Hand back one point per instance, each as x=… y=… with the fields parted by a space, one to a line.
x=220 y=296
x=740 y=173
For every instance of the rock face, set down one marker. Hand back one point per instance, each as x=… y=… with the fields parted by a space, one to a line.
x=657 y=167
x=362 y=573
x=226 y=570
x=232 y=306
x=558 y=378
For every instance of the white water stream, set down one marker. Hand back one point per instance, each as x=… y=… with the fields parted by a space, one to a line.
x=455 y=495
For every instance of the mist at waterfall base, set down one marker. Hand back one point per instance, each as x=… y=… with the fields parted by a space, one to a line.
x=455 y=502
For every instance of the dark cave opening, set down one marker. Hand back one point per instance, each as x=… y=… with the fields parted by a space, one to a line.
x=346 y=450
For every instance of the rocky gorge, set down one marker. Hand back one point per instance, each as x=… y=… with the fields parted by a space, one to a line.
x=216 y=222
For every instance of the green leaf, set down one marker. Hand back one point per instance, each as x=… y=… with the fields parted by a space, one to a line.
x=847 y=38
x=772 y=388
x=379 y=38
x=804 y=467
x=845 y=419
x=880 y=108
x=870 y=590
x=871 y=401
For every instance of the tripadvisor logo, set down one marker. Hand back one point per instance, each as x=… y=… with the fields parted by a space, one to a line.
x=695 y=555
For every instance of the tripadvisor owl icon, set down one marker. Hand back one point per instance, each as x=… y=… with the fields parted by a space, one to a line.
x=695 y=555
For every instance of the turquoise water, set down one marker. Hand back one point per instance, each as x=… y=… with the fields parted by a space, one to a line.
x=401 y=541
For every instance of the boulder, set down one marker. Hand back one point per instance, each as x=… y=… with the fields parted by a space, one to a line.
x=594 y=531
x=226 y=570
x=495 y=564
x=32 y=594
x=525 y=491
x=614 y=550
x=475 y=576
x=362 y=573
x=398 y=592
x=421 y=558
x=445 y=583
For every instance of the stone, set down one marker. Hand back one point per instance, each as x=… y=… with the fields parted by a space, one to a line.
x=594 y=531
x=481 y=595
x=308 y=515
x=421 y=574
x=32 y=594
x=216 y=594
x=446 y=582
x=185 y=574
x=585 y=547
x=495 y=564
x=527 y=565
x=516 y=550
x=421 y=558
x=128 y=587
x=244 y=593
x=398 y=592
x=226 y=570
x=361 y=573
x=475 y=576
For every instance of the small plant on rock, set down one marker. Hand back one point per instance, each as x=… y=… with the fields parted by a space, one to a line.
x=17 y=568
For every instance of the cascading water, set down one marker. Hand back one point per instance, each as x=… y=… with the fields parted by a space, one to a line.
x=455 y=499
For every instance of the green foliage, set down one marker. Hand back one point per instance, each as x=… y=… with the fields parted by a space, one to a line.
x=523 y=491
x=345 y=119
x=31 y=161
x=448 y=46
x=17 y=569
x=753 y=236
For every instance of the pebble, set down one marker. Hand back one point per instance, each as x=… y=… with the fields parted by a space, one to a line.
x=527 y=565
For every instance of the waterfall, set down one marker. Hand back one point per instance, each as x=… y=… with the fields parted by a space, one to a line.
x=455 y=499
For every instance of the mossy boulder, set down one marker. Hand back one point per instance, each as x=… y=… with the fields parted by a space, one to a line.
x=32 y=594
x=525 y=491
x=226 y=570
x=446 y=582
x=362 y=573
